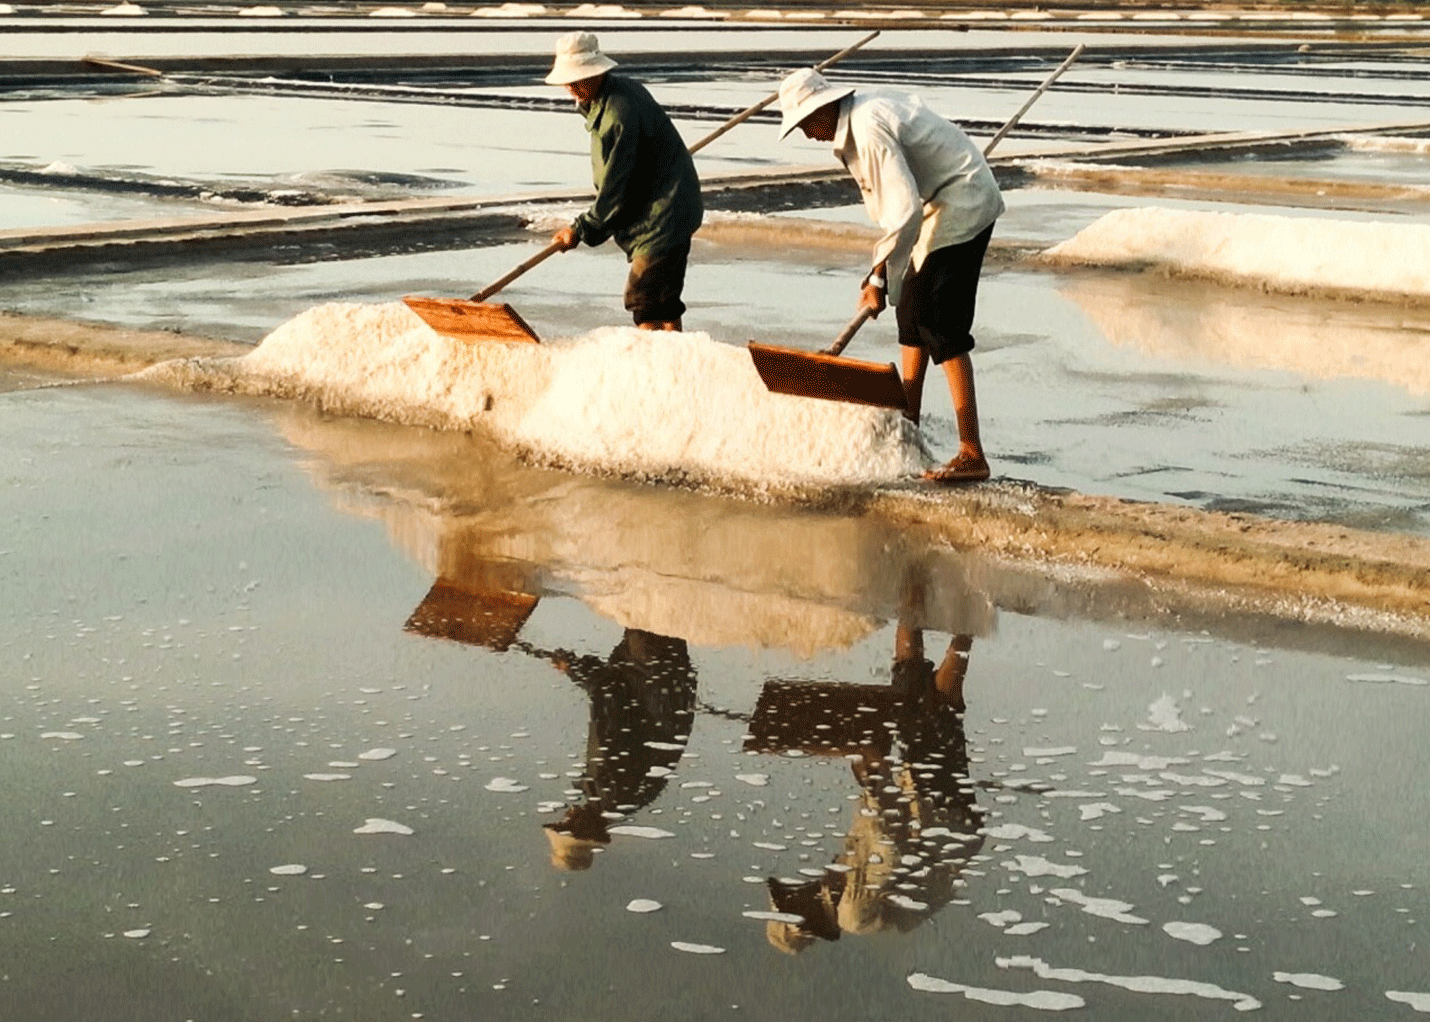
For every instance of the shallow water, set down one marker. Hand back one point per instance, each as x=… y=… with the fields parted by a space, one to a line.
x=253 y=647
x=311 y=611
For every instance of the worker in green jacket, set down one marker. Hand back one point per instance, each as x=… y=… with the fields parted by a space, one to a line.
x=647 y=191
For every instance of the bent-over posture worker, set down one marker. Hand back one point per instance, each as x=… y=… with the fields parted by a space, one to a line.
x=647 y=191
x=928 y=186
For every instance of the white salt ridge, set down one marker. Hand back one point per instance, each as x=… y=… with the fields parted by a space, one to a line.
x=1386 y=143
x=1192 y=933
x=1137 y=984
x=631 y=830
x=1277 y=252
x=643 y=905
x=377 y=754
x=64 y=736
x=379 y=826
x=754 y=780
x=617 y=400
x=1308 y=980
x=292 y=869
x=137 y=934
x=1044 y=1000
x=1417 y=1001
x=1025 y=929
x=327 y=777
x=1388 y=679
x=235 y=781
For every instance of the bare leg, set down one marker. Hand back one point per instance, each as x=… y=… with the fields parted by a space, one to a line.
x=908 y=643
x=948 y=678
x=969 y=465
x=662 y=324
x=965 y=404
x=916 y=364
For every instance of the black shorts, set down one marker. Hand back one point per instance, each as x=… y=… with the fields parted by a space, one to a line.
x=935 y=310
x=654 y=285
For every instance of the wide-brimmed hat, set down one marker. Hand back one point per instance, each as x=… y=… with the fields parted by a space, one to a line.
x=802 y=93
x=578 y=57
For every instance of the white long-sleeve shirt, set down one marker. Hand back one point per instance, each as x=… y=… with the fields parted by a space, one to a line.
x=923 y=180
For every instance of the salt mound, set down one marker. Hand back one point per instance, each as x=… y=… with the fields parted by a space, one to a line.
x=617 y=400
x=1281 y=253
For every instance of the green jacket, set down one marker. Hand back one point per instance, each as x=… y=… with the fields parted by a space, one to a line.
x=647 y=191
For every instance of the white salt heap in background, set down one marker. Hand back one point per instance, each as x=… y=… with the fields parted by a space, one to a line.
x=1281 y=253
x=617 y=400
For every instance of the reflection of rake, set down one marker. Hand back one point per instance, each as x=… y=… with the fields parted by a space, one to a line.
x=477 y=617
x=821 y=719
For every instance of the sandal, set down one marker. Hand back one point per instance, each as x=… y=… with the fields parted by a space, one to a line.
x=966 y=468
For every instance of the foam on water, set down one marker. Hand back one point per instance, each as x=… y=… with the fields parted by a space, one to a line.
x=1045 y=1000
x=1139 y=984
x=617 y=400
x=376 y=825
x=1281 y=253
x=1193 y=933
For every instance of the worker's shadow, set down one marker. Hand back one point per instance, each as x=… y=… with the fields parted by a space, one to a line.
x=917 y=822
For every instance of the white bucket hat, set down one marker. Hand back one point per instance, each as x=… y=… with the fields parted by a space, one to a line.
x=802 y=93
x=578 y=57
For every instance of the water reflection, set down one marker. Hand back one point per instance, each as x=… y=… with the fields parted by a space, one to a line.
x=480 y=609
x=642 y=707
x=916 y=822
x=1198 y=322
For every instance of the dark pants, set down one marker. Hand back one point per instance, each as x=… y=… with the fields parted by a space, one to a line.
x=654 y=285
x=935 y=310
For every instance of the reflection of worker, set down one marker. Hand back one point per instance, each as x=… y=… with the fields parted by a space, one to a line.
x=917 y=821
x=642 y=707
x=930 y=189
x=647 y=191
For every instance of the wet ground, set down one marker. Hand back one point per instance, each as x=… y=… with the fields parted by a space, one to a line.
x=317 y=717
x=312 y=720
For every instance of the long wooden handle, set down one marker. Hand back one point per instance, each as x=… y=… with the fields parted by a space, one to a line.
x=496 y=286
x=842 y=341
x=746 y=114
x=1012 y=122
x=864 y=315
x=743 y=115
x=114 y=65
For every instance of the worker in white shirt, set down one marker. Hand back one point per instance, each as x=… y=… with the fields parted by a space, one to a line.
x=928 y=186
